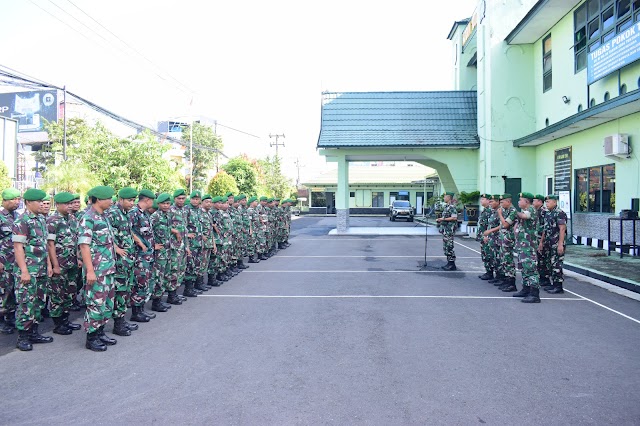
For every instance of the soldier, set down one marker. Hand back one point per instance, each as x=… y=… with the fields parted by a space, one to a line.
x=140 y=220
x=62 y=244
x=154 y=207
x=553 y=243
x=227 y=230
x=162 y=236
x=541 y=210
x=208 y=243
x=254 y=224
x=507 y=214
x=526 y=242
x=448 y=223
x=261 y=237
x=287 y=229
x=46 y=206
x=179 y=243
x=10 y=203
x=31 y=270
x=194 y=278
x=271 y=228
x=492 y=238
x=74 y=210
x=97 y=248
x=245 y=226
x=216 y=262
x=118 y=216
x=483 y=225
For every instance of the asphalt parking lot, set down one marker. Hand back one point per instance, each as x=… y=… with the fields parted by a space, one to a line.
x=347 y=330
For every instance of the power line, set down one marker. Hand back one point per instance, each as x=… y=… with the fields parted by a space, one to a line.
x=276 y=144
x=239 y=131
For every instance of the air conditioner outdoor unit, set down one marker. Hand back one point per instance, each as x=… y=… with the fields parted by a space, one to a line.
x=616 y=145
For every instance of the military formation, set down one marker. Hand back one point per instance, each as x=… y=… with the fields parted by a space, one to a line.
x=121 y=252
x=533 y=239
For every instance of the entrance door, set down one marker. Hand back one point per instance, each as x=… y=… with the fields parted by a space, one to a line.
x=419 y=202
x=513 y=186
x=549 y=185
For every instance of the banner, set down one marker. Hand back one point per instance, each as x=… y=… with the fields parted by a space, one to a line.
x=30 y=109
x=621 y=50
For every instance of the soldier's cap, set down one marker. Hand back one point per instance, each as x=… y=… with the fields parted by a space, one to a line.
x=33 y=194
x=451 y=194
x=196 y=194
x=86 y=198
x=252 y=199
x=179 y=192
x=539 y=197
x=526 y=195
x=270 y=200
x=127 y=192
x=505 y=197
x=76 y=196
x=147 y=193
x=218 y=199
x=206 y=197
x=551 y=197
x=155 y=204
x=487 y=196
x=10 y=194
x=495 y=197
x=241 y=197
x=165 y=197
x=102 y=192
x=63 y=197
x=263 y=198
x=228 y=194
x=47 y=197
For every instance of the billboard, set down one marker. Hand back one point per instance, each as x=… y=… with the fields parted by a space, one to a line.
x=30 y=109
x=621 y=50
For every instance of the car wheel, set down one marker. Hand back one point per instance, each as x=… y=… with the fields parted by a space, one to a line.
x=390 y=218
x=410 y=219
x=393 y=219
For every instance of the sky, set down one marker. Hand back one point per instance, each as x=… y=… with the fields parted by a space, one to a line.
x=256 y=66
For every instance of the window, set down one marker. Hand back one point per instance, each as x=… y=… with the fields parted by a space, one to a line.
x=377 y=199
x=596 y=189
x=318 y=199
x=593 y=102
x=597 y=21
x=607 y=96
x=623 y=88
x=546 y=63
x=352 y=194
x=580 y=108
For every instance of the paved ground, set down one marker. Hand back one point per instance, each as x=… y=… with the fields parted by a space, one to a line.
x=346 y=330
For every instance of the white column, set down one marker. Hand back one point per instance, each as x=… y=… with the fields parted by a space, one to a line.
x=342 y=197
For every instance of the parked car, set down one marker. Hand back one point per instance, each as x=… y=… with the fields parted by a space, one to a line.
x=401 y=209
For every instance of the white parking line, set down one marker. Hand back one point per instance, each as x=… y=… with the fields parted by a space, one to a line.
x=367 y=296
x=360 y=272
x=375 y=255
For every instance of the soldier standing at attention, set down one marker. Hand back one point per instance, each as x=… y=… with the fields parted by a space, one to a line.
x=10 y=203
x=46 y=206
x=541 y=210
x=262 y=230
x=447 y=227
x=526 y=245
x=492 y=238
x=31 y=269
x=62 y=244
x=162 y=236
x=227 y=236
x=74 y=210
x=507 y=214
x=140 y=220
x=208 y=242
x=553 y=243
x=193 y=280
x=254 y=224
x=483 y=225
x=246 y=230
x=179 y=243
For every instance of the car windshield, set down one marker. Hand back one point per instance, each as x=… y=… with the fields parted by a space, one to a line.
x=401 y=204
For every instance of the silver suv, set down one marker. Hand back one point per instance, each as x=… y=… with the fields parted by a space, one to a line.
x=401 y=209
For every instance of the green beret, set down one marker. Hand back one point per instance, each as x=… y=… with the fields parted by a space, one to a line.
x=229 y=194
x=47 y=197
x=10 y=194
x=270 y=200
x=155 y=204
x=102 y=192
x=451 y=194
x=495 y=197
x=218 y=199
x=179 y=192
x=86 y=199
x=206 y=197
x=76 y=196
x=539 y=197
x=263 y=198
x=487 y=196
x=147 y=193
x=276 y=199
x=241 y=197
x=33 y=194
x=114 y=199
x=527 y=195
x=252 y=199
x=549 y=197
x=505 y=197
x=165 y=197
x=196 y=194
x=127 y=192
x=63 y=197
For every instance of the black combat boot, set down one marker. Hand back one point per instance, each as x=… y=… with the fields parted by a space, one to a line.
x=60 y=326
x=222 y=277
x=24 y=343
x=510 y=285
x=109 y=341
x=262 y=256
x=206 y=282
x=158 y=306
x=450 y=266
x=173 y=298
x=131 y=326
x=533 y=296
x=189 y=291
x=119 y=327
x=137 y=315
x=10 y=320
x=524 y=292
x=151 y=315
x=253 y=259
x=281 y=246
x=545 y=282
x=71 y=325
x=556 y=289
x=36 y=337
x=5 y=328
x=200 y=284
x=497 y=279
x=241 y=264
x=94 y=343
x=486 y=276
x=213 y=280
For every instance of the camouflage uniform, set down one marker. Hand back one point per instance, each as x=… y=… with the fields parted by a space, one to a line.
x=507 y=266
x=447 y=229
x=123 y=238
x=143 y=264
x=552 y=221
x=31 y=230
x=161 y=227
x=526 y=248
x=261 y=229
x=253 y=226
x=178 y=256
x=226 y=227
x=7 y=259
x=62 y=230
x=194 y=226
x=95 y=231
x=493 y=250
x=208 y=241
x=485 y=248
x=238 y=234
x=543 y=257
x=246 y=230
x=271 y=228
x=215 y=258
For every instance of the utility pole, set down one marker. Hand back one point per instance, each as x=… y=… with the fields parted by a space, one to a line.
x=276 y=143
x=298 y=165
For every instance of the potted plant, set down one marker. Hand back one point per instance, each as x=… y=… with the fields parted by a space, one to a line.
x=469 y=201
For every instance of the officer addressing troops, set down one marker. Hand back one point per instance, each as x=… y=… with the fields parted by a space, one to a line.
x=10 y=202
x=447 y=225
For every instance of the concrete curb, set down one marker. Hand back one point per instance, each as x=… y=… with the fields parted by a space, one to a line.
x=610 y=279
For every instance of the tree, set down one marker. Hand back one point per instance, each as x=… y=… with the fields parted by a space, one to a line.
x=71 y=176
x=275 y=184
x=5 y=180
x=222 y=183
x=204 y=159
x=244 y=173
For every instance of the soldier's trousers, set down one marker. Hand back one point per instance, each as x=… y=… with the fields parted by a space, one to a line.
x=99 y=300
x=554 y=264
x=63 y=290
x=30 y=299
x=507 y=266
x=122 y=296
x=178 y=265
x=213 y=266
x=142 y=271
x=485 y=253
x=529 y=263
x=447 y=245
x=7 y=293
x=194 y=264
x=161 y=273
x=543 y=263
x=205 y=259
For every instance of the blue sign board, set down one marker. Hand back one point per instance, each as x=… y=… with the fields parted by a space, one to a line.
x=621 y=50
x=30 y=109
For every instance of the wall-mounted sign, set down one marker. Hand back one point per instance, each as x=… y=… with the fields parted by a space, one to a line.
x=562 y=170
x=564 y=202
x=478 y=16
x=621 y=50
x=30 y=109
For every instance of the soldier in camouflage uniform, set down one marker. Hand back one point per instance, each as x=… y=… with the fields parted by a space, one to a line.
x=208 y=242
x=541 y=211
x=245 y=231
x=162 y=235
x=272 y=246
x=62 y=244
x=287 y=228
x=254 y=224
x=553 y=243
x=483 y=225
x=447 y=226
x=218 y=260
x=118 y=216
x=10 y=203
x=31 y=270
x=97 y=248
x=492 y=238
x=227 y=229
x=507 y=214
x=179 y=243
x=194 y=276
x=261 y=236
x=140 y=220
x=526 y=245
x=74 y=210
